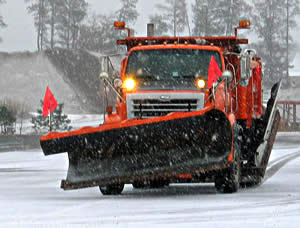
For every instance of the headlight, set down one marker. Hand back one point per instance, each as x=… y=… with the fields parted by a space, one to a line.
x=201 y=83
x=129 y=84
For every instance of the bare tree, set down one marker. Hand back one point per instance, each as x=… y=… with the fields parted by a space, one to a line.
x=62 y=17
x=160 y=26
x=98 y=34
x=128 y=12
x=52 y=21
x=270 y=26
x=2 y=24
x=174 y=14
x=218 y=17
x=23 y=112
x=71 y=13
x=40 y=13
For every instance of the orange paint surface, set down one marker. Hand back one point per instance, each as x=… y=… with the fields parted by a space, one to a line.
x=124 y=124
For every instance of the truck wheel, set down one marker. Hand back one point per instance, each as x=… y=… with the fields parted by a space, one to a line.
x=229 y=182
x=114 y=189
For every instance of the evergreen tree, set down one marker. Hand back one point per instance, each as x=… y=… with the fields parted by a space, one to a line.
x=174 y=14
x=59 y=121
x=160 y=26
x=99 y=35
x=7 y=120
x=270 y=24
x=2 y=24
x=233 y=11
x=39 y=9
x=128 y=12
x=218 y=17
x=71 y=14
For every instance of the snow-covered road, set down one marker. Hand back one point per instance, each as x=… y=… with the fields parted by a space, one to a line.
x=30 y=196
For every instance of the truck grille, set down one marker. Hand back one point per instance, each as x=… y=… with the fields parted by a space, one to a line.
x=159 y=104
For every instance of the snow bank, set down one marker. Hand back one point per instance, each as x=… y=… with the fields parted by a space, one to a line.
x=73 y=77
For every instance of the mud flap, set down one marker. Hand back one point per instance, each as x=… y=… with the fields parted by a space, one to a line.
x=156 y=150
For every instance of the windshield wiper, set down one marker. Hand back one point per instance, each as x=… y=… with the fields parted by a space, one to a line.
x=187 y=76
x=149 y=77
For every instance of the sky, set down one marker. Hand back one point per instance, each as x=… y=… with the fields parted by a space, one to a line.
x=20 y=35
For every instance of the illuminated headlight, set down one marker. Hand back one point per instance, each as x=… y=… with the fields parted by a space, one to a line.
x=201 y=83
x=129 y=84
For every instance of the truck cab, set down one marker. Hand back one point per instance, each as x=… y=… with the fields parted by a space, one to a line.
x=167 y=78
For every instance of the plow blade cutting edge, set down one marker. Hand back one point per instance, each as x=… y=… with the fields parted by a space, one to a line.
x=192 y=143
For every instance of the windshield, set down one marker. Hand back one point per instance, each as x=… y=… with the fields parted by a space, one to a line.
x=161 y=64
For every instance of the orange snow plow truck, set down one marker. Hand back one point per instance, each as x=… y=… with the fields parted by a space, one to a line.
x=188 y=109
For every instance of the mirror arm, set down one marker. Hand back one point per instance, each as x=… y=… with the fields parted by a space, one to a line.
x=104 y=77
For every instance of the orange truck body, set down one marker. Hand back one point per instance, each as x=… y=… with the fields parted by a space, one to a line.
x=135 y=145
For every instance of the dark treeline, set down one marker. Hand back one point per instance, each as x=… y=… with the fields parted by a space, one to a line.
x=67 y=24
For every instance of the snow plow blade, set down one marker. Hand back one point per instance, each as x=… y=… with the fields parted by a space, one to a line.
x=143 y=149
x=263 y=140
x=271 y=120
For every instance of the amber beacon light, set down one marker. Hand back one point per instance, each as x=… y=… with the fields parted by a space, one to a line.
x=119 y=24
x=245 y=24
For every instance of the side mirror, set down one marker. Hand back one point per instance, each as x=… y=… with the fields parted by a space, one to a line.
x=245 y=70
x=104 y=75
x=227 y=75
x=245 y=66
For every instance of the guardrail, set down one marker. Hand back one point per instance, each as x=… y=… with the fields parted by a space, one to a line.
x=19 y=142
x=289 y=118
x=4 y=146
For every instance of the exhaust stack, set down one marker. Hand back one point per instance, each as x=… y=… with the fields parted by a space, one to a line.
x=150 y=30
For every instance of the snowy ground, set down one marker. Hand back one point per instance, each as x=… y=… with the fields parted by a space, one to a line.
x=77 y=121
x=30 y=196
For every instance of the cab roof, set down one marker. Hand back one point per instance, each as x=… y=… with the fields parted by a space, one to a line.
x=228 y=42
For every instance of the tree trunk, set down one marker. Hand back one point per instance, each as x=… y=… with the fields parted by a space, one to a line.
x=53 y=10
x=39 y=26
x=174 y=17
x=21 y=125
x=42 y=23
x=206 y=20
x=68 y=28
x=230 y=19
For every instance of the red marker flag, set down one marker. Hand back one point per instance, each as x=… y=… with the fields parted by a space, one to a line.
x=50 y=103
x=214 y=72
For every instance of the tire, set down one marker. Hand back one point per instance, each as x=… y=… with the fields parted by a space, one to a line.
x=229 y=181
x=114 y=189
x=252 y=180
